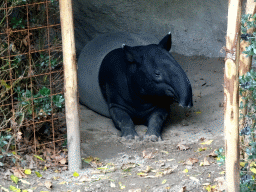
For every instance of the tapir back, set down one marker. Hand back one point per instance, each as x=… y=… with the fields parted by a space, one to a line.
x=90 y=60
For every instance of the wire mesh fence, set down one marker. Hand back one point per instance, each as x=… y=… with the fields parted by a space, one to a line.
x=32 y=110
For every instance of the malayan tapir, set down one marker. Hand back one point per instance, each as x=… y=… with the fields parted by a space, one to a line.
x=133 y=79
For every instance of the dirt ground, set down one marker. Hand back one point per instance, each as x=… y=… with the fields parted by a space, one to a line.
x=178 y=163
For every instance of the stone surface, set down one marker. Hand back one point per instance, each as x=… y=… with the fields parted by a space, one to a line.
x=198 y=27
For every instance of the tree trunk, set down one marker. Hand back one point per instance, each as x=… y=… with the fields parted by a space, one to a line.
x=231 y=97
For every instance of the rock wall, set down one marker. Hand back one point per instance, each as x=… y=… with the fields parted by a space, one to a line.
x=198 y=26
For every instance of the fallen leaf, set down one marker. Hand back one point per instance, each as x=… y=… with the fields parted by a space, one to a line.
x=38 y=174
x=12 y=188
x=166 y=152
x=18 y=172
x=147 y=155
x=4 y=189
x=147 y=170
x=27 y=171
x=169 y=170
x=182 y=147
x=48 y=184
x=159 y=174
x=209 y=188
x=63 y=161
x=62 y=182
x=96 y=172
x=191 y=161
x=208 y=142
x=185 y=171
x=164 y=181
x=38 y=157
x=221 y=183
x=121 y=186
x=142 y=174
x=206 y=162
x=75 y=174
x=183 y=189
x=56 y=177
x=128 y=166
x=85 y=178
x=14 y=179
x=202 y=149
x=112 y=184
x=24 y=181
x=213 y=154
x=194 y=179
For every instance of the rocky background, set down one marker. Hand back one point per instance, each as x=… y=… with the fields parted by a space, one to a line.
x=198 y=26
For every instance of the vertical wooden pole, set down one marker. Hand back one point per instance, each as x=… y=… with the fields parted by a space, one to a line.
x=70 y=83
x=245 y=62
x=231 y=96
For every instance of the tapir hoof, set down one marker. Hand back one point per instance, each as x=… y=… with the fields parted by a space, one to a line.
x=130 y=135
x=152 y=138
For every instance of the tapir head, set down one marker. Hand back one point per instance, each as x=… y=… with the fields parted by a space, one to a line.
x=156 y=73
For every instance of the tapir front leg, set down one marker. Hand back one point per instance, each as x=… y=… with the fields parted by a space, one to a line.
x=123 y=122
x=155 y=124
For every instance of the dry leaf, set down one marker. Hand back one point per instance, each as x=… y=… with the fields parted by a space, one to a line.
x=62 y=183
x=194 y=179
x=148 y=155
x=169 y=170
x=48 y=184
x=85 y=178
x=206 y=162
x=213 y=154
x=147 y=170
x=221 y=183
x=207 y=142
x=182 y=147
x=18 y=172
x=19 y=136
x=191 y=161
x=112 y=184
x=183 y=189
x=96 y=172
x=63 y=161
x=128 y=166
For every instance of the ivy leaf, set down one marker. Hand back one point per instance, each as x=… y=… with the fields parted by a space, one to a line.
x=14 y=179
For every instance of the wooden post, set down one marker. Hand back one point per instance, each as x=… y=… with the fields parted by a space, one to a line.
x=70 y=83
x=245 y=62
x=231 y=97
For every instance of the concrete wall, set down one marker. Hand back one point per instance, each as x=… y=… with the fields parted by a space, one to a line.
x=198 y=26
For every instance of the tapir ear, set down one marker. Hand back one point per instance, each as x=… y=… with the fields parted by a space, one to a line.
x=166 y=42
x=130 y=53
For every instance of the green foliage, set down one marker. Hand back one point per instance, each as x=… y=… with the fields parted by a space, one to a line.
x=248 y=21
x=247 y=91
x=4 y=140
x=45 y=61
x=18 y=23
x=42 y=101
x=220 y=156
